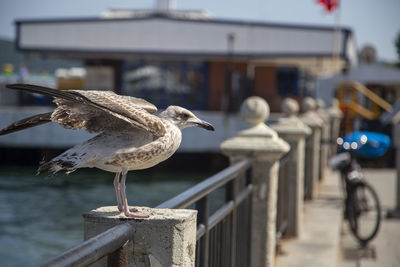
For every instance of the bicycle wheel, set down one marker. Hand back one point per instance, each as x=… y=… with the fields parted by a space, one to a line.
x=364 y=212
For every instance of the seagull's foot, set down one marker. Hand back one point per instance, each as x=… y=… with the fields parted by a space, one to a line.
x=133 y=213
x=120 y=208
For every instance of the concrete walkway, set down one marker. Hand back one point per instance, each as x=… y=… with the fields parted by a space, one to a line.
x=384 y=249
x=327 y=240
x=319 y=244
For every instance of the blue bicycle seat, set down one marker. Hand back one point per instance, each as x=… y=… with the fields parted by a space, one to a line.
x=367 y=144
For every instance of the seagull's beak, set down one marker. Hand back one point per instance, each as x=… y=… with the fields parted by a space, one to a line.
x=203 y=124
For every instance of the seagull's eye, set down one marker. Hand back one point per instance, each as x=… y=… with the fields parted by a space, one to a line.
x=184 y=116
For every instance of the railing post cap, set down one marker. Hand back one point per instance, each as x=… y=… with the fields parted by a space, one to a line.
x=290 y=106
x=291 y=128
x=322 y=112
x=334 y=110
x=254 y=110
x=320 y=104
x=312 y=120
x=310 y=116
x=308 y=104
x=111 y=213
x=259 y=140
x=326 y=118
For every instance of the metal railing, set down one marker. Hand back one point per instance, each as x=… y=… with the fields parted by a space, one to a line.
x=282 y=202
x=223 y=233
x=95 y=248
x=220 y=241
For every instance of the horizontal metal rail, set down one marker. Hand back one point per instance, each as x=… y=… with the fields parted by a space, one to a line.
x=94 y=248
x=193 y=194
x=228 y=207
x=218 y=237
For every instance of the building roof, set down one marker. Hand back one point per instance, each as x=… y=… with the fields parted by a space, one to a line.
x=173 y=35
x=368 y=73
x=373 y=73
x=365 y=74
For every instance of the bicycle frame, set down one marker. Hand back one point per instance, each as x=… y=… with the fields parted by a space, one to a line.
x=356 y=201
x=351 y=174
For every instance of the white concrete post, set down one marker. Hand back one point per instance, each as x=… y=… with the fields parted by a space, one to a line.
x=395 y=213
x=166 y=238
x=336 y=117
x=313 y=142
x=293 y=131
x=325 y=137
x=263 y=144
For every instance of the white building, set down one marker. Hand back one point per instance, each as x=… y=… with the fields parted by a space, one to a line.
x=190 y=58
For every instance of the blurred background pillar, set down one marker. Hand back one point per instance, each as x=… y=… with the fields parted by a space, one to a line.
x=313 y=142
x=325 y=137
x=262 y=144
x=395 y=213
x=336 y=116
x=291 y=187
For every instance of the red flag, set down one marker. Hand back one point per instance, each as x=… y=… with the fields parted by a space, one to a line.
x=329 y=5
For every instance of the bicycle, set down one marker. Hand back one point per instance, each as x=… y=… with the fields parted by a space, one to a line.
x=362 y=206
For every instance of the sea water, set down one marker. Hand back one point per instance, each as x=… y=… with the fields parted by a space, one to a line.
x=40 y=217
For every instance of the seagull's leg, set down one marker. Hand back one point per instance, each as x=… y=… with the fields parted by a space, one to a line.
x=117 y=187
x=127 y=212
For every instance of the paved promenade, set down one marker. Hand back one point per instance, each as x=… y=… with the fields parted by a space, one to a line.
x=318 y=246
x=326 y=239
x=384 y=250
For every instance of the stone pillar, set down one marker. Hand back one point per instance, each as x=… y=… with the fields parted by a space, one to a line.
x=293 y=131
x=311 y=173
x=262 y=144
x=336 y=115
x=395 y=213
x=166 y=238
x=325 y=137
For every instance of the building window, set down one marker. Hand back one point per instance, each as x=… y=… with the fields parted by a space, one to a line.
x=165 y=83
x=288 y=81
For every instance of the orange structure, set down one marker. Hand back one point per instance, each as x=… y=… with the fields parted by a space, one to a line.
x=350 y=95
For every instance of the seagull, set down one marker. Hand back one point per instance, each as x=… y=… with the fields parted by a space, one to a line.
x=129 y=135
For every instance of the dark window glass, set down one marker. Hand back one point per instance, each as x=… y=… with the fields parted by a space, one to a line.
x=288 y=81
x=167 y=83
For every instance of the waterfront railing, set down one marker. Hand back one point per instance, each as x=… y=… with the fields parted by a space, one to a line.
x=223 y=229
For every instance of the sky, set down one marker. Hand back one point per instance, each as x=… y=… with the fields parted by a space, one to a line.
x=374 y=22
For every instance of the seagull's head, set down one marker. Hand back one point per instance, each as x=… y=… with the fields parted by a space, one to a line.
x=183 y=118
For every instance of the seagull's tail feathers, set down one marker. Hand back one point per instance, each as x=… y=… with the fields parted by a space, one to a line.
x=69 y=161
x=27 y=123
x=54 y=166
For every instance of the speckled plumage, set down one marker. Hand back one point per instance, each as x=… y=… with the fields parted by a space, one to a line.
x=114 y=151
x=130 y=136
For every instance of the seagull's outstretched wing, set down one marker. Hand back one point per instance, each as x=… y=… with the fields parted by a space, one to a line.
x=97 y=111
x=27 y=123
